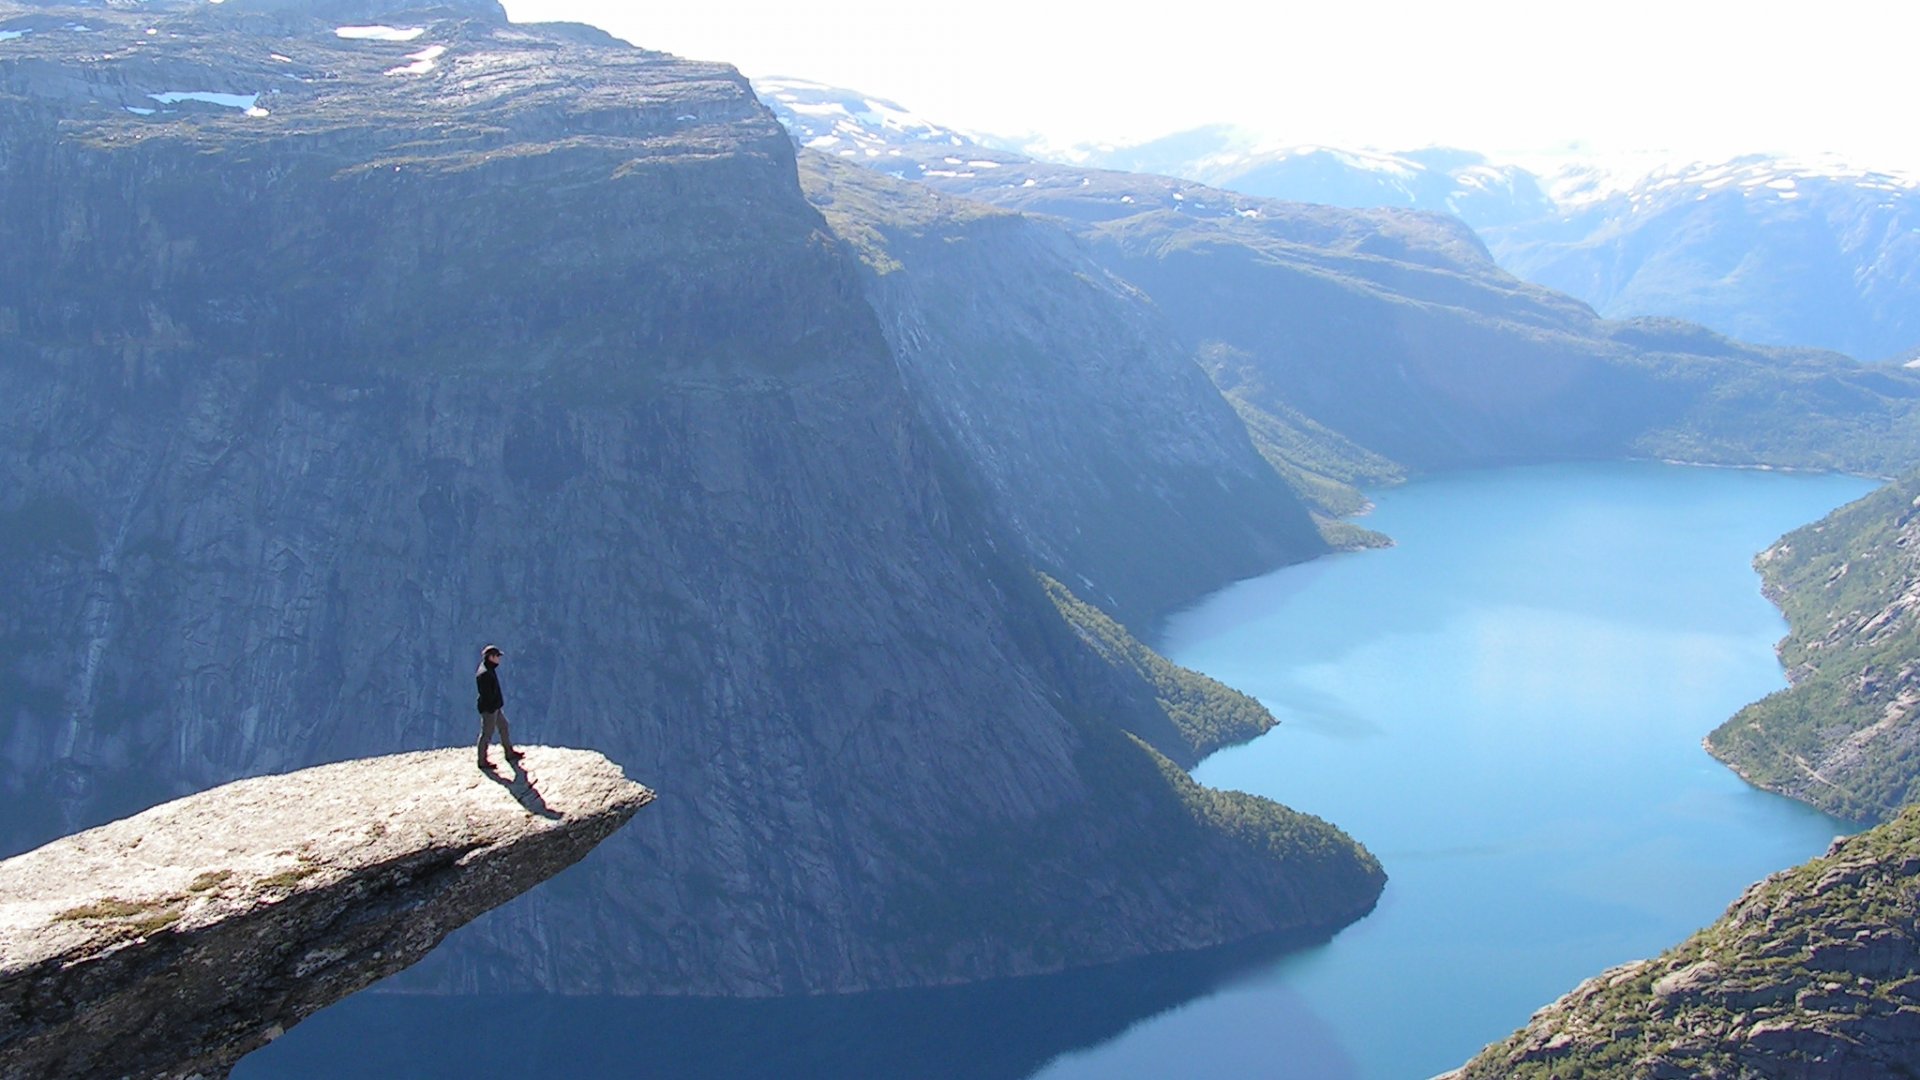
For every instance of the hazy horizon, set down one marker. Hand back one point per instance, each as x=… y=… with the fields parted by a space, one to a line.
x=1643 y=84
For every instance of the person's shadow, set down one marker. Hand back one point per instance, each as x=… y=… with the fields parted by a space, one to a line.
x=520 y=786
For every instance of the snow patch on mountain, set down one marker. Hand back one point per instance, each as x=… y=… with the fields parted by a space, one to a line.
x=850 y=123
x=376 y=33
x=1643 y=182
x=1804 y=251
x=423 y=61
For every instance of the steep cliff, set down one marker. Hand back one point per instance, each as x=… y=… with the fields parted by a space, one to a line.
x=1843 y=736
x=1814 y=974
x=1113 y=457
x=521 y=334
x=173 y=942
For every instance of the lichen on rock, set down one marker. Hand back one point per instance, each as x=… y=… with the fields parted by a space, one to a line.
x=173 y=942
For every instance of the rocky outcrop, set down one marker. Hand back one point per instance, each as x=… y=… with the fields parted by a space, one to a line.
x=1813 y=974
x=1845 y=734
x=173 y=942
x=520 y=334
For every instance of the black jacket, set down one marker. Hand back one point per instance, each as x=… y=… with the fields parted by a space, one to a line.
x=488 y=681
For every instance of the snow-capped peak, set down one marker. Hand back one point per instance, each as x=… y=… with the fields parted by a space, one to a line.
x=1590 y=183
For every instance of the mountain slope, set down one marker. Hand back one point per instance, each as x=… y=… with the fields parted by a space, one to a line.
x=1396 y=332
x=1768 y=250
x=1438 y=179
x=1773 y=250
x=329 y=354
x=1408 y=345
x=1845 y=736
x=1812 y=974
x=1111 y=454
x=1373 y=339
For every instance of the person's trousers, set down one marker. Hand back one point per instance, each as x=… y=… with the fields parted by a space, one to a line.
x=488 y=722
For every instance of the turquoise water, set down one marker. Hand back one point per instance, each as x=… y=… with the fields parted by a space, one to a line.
x=1507 y=709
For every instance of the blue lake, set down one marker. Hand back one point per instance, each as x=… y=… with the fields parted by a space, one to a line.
x=1506 y=707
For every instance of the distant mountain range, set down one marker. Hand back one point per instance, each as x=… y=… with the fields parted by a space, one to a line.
x=1762 y=248
x=1767 y=249
x=1447 y=181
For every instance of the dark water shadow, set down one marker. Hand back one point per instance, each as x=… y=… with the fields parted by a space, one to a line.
x=1002 y=1030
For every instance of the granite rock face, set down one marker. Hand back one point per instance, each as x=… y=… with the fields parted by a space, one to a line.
x=1110 y=453
x=173 y=942
x=521 y=334
x=1813 y=974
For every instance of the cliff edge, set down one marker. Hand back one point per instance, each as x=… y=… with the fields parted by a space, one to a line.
x=172 y=943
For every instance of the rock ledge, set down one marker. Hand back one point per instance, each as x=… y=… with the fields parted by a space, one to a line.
x=173 y=942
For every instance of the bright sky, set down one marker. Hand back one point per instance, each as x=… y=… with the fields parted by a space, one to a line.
x=1702 y=79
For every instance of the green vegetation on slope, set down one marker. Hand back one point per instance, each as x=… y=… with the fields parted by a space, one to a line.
x=1789 y=408
x=1813 y=973
x=1267 y=827
x=1216 y=857
x=1203 y=714
x=1845 y=736
x=1324 y=468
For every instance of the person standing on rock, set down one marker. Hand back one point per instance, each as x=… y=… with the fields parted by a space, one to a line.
x=492 y=704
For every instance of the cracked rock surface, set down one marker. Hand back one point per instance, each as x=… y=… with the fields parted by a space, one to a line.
x=173 y=942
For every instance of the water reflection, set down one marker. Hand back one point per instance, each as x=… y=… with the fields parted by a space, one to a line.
x=993 y=1031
